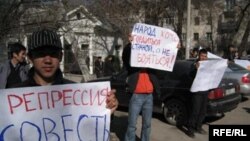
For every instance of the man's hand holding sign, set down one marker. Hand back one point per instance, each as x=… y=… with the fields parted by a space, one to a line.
x=213 y=70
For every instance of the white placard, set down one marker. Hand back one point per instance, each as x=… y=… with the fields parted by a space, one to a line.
x=243 y=63
x=153 y=47
x=68 y=112
x=209 y=75
x=211 y=55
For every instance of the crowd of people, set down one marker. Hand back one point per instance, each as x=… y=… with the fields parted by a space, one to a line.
x=106 y=68
x=230 y=53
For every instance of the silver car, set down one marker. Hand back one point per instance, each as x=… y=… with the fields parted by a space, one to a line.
x=241 y=74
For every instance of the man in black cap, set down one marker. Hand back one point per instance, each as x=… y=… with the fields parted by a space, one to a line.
x=45 y=53
x=15 y=69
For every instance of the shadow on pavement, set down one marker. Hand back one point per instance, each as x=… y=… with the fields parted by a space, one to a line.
x=243 y=99
x=246 y=109
x=214 y=118
x=119 y=126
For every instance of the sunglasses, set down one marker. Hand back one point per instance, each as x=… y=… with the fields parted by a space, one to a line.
x=44 y=53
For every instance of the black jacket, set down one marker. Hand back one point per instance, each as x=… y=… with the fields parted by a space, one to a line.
x=133 y=72
x=5 y=71
x=31 y=82
x=193 y=70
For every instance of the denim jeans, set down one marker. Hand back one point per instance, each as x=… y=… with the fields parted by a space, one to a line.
x=140 y=103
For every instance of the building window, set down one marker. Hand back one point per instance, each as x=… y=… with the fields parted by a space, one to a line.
x=229 y=4
x=78 y=16
x=197 y=21
x=170 y=20
x=209 y=36
x=84 y=47
x=196 y=36
x=197 y=5
x=118 y=47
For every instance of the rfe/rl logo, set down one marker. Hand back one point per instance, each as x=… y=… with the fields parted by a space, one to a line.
x=229 y=132
x=223 y=132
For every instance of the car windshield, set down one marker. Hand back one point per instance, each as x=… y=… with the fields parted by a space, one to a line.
x=235 y=67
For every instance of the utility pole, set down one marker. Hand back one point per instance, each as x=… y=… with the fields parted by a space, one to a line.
x=188 y=29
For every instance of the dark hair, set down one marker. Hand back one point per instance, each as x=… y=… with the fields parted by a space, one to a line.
x=230 y=46
x=196 y=49
x=15 y=48
x=204 y=51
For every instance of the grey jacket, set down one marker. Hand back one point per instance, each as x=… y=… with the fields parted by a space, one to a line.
x=5 y=71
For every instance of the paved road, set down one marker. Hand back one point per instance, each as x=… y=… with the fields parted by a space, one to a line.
x=162 y=131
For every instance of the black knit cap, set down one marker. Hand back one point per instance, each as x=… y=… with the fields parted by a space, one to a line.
x=44 y=38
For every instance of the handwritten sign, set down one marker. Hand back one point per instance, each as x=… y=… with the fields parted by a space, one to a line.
x=153 y=47
x=209 y=75
x=243 y=63
x=69 y=112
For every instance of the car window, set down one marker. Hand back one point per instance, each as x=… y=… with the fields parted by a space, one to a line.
x=178 y=77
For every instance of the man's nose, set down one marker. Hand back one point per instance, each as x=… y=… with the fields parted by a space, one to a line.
x=47 y=58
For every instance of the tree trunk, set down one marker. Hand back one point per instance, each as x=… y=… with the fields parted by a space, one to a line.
x=244 y=42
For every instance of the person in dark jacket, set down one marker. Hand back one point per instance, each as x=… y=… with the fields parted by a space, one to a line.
x=15 y=69
x=230 y=53
x=142 y=83
x=45 y=53
x=198 y=101
x=99 y=67
x=109 y=68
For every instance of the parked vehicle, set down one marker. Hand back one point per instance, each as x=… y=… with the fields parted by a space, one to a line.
x=235 y=71
x=175 y=98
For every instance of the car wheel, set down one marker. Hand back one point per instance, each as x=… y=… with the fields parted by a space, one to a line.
x=175 y=112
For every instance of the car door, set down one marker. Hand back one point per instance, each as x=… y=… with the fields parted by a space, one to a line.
x=118 y=82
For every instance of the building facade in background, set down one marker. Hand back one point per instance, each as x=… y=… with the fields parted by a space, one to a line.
x=86 y=36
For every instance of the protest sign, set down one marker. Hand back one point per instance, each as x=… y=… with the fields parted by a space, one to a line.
x=70 y=112
x=243 y=63
x=213 y=56
x=209 y=75
x=153 y=47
